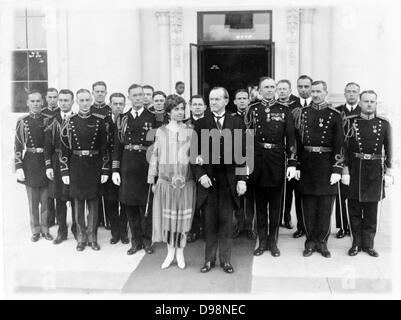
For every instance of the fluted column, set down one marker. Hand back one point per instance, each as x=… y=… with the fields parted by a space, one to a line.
x=306 y=44
x=163 y=23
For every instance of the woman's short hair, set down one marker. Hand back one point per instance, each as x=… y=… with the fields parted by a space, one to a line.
x=172 y=101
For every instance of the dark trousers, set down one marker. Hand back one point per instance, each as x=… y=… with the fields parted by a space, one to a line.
x=341 y=220
x=51 y=211
x=118 y=219
x=317 y=213
x=363 y=218
x=140 y=226
x=36 y=197
x=86 y=232
x=268 y=219
x=291 y=189
x=244 y=216
x=197 y=222
x=218 y=211
x=104 y=217
x=61 y=214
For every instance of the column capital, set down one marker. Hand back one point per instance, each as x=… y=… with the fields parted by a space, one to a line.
x=163 y=17
x=306 y=15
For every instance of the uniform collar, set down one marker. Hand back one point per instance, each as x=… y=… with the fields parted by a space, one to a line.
x=308 y=101
x=269 y=103
x=368 y=116
x=139 y=111
x=197 y=118
x=84 y=115
x=35 y=115
x=320 y=106
x=351 y=108
x=99 y=105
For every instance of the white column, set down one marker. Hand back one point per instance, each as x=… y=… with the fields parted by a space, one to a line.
x=292 y=45
x=306 y=50
x=163 y=23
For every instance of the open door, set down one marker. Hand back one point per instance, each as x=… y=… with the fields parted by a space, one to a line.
x=193 y=69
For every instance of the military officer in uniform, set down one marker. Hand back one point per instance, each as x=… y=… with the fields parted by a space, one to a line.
x=368 y=165
x=116 y=212
x=84 y=165
x=30 y=164
x=57 y=189
x=51 y=110
x=132 y=139
x=99 y=107
x=274 y=139
x=321 y=158
x=244 y=216
x=351 y=107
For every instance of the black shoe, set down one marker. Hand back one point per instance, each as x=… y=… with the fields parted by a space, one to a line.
x=59 y=239
x=236 y=233
x=227 y=267
x=81 y=246
x=259 y=251
x=207 y=266
x=324 y=251
x=35 y=237
x=124 y=240
x=370 y=251
x=148 y=249
x=340 y=234
x=251 y=234
x=134 y=249
x=298 y=234
x=192 y=237
x=288 y=225
x=75 y=235
x=347 y=232
x=94 y=245
x=114 y=240
x=275 y=252
x=47 y=236
x=354 y=251
x=307 y=252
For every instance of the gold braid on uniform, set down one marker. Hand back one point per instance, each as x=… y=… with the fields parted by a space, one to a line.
x=21 y=133
x=302 y=125
x=249 y=118
x=65 y=133
x=122 y=127
x=296 y=114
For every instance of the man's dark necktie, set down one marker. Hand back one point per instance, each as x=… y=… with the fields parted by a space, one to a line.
x=218 y=124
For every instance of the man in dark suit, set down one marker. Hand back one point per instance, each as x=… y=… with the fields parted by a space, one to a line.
x=115 y=211
x=351 y=107
x=221 y=180
x=367 y=172
x=51 y=110
x=29 y=163
x=321 y=158
x=130 y=168
x=57 y=189
x=84 y=165
x=198 y=107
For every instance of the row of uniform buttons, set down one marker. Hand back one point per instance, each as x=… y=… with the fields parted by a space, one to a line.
x=378 y=132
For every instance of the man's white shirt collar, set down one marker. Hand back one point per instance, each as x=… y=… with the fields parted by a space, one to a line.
x=133 y=111
x=65 y=114
x=351 y=107
x=308 y=101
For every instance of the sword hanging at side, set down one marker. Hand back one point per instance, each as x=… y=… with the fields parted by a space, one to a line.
x=147 y=201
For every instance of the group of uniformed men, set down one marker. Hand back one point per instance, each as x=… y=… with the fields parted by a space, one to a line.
x=96 y=160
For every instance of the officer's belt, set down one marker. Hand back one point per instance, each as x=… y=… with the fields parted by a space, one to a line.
x=35 y=150
x=57 y=150
x=135 y=147
x=318 y=149
x=368 y=156
x=270 y=145
x=85 y=152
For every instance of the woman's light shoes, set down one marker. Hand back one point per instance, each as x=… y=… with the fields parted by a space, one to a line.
x=170 y=257
x=180 y=258
x=178 y=253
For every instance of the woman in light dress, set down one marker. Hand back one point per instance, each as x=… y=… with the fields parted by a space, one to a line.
x=172 y=184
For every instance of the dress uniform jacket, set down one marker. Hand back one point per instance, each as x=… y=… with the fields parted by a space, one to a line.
x=29 y=149
x=110 y=189
x=274 y=137
x=131 y=142
x=102 y=109
x=57 y=189
x=321 y=126
x=368 y=154
x=50 y=112
x=84 y=155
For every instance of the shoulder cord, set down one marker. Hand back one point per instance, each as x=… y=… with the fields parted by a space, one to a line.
x=65 y=133
x=296 y=114
x=121 y=128
x=21 y=133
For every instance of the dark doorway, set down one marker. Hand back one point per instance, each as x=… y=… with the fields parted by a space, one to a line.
x=233 y=67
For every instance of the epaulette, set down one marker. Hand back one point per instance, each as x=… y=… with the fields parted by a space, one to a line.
x=99 y=115
x=253 y=104
x=382 y=118
x=23 y=117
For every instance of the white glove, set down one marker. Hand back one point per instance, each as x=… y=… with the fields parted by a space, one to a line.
x=241 y=187
x=291 y=172
x=50 y=174
x=334 y=178
x=116 y=178
x=153 y=188
x=104 y=178
x=199 y=160
x=345 y=179
x=205 y=181
x=388 y=181
x=298 y=174
x=66 y=180
x=20 y=174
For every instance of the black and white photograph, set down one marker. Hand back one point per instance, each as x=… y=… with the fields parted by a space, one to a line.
x=200 y=150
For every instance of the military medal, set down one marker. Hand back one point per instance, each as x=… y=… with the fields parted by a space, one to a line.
x=374 y=129
x=321 y=122
x=268 y=117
